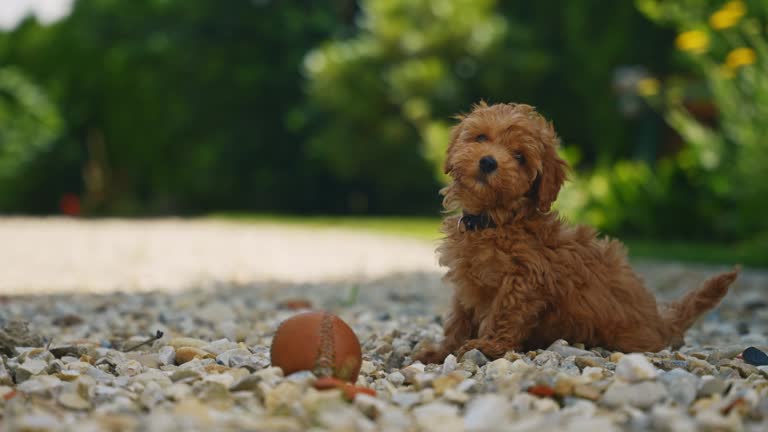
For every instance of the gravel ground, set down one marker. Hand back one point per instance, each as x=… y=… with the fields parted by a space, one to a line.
x=64 y=363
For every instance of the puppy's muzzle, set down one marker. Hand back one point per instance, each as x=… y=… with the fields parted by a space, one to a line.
x=488 y=164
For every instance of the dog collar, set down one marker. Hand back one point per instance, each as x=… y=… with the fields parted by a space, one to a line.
x=475 y=222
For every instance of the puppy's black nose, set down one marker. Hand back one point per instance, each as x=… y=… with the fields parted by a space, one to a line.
x=488 y=164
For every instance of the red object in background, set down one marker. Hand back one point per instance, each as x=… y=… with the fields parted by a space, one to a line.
x=70 y=205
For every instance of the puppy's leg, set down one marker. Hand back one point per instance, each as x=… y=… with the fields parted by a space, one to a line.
x=457 y=330
x=513 y=315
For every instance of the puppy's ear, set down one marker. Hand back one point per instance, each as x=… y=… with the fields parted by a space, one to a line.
x=455 y=134
x=552 y=175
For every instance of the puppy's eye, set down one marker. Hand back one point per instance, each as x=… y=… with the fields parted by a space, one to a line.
x=520 y=158
x=481 y=138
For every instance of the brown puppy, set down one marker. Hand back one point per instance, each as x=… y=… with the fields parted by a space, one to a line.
x=523 y=278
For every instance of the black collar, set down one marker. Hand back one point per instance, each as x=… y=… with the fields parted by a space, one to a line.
x=476 y=222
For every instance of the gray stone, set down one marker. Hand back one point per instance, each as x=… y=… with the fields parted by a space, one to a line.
x=17 y=334
x=561 y=347
x=44 y=385
x=681 y=385
x=474 y=356
x=167 y=355
x=5 y=377
x=548 y=360
x=641 y=395
x=396 y=378
x=711 y=385
x=406 y=399
x=29 y=369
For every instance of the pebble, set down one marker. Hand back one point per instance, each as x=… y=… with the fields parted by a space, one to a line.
x=73 y=401
x=634 y=368
x=486 y=412
x=474 y=356
x=167 y=355
x=187 y=354
x=561 y=347
x=5 y=377
x=681 y=385
x=30 y=368
x=449 y=364
x=641 y=395
x=396 y=378
x=497 y=368
x=438 y=416
x=212 y=371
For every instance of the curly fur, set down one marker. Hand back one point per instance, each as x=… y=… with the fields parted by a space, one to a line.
x=533 y=279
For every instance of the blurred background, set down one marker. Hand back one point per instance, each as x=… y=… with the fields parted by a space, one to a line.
x=285 y=110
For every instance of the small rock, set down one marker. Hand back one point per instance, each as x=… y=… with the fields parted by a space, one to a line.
x=591 y=361
x=68 y=350
x=73 y=401
x=449 y=364
x=497 y=368
x=634 y=368
x=370 y=405
x=548 y=360
x=17 y=334
x=474 y=356
x=615 y=357
x=755 y=357
x=181 y=342
x=438 y=416
x=129 y=368
x=486 y=412
x=711 y=385
x=219 y=346
x=43 y=385
x=367 y=367
x=5 y=377
x=561 y=347
x=406 y=399
x=424 y=380
x=187 y=354
x=409 y=372
x=446 y=382
x=586 y=391
x=396 y=378
x=167 y=355
x=681 y=385
x=30 y=368
x=234 y=357
x=641 y=395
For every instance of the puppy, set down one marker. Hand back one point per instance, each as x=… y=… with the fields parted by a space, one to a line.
x=523 y=278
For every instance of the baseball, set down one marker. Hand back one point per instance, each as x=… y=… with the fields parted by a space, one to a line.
x=319 y=342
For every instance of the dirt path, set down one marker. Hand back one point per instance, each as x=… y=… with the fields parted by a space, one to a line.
x=56 y=254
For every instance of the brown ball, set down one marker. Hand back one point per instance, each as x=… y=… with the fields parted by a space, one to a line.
x=319 y=342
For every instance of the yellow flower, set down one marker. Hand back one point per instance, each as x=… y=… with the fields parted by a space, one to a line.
x=736 y=6
x=740 y=57
x=695 y=41
x=728 y=16
x=647 y=87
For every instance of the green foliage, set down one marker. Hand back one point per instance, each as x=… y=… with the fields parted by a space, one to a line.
x=28 y=122
x=728 y=47
x=384 y=96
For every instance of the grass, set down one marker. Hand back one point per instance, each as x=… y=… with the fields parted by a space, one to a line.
x=753 y=253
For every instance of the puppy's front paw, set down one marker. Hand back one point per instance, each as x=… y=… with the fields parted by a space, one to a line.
x=431 y=356
x=492 y=349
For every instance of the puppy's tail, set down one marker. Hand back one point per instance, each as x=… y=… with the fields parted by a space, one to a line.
x=682 y=313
